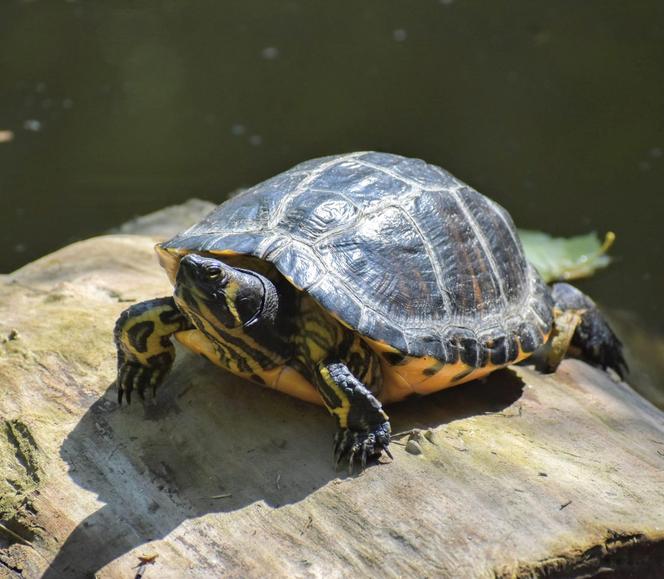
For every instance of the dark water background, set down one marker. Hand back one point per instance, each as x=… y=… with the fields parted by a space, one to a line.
x=555 y=109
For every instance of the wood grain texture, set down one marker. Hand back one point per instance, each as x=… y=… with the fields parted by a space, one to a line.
x=522 y=475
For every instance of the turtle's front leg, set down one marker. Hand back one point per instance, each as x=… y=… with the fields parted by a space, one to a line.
x=364 y=428
x=145 y=352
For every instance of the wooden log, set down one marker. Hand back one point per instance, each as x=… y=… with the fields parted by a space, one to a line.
x=521 y=475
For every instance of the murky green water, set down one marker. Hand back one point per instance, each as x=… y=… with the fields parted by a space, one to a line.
x=555 y=109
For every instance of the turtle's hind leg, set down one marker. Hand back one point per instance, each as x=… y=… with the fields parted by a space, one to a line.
x=145 y=352
x=580 y=330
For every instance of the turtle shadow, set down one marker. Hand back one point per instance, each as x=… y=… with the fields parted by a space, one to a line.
x=215 y=444
x=492 y=394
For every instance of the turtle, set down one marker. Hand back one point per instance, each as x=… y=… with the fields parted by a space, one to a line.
x=353 y=281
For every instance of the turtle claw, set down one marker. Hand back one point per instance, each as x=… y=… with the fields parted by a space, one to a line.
x=123 y=392
x=340 y=443
x=133 y=376
x=353 y=452
x=361 y=445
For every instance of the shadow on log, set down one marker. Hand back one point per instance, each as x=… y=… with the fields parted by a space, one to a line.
x=204 y=448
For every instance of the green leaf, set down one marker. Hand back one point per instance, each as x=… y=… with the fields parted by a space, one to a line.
x=560 y=258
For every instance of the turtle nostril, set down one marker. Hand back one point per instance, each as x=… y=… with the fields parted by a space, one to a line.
x=188 y=266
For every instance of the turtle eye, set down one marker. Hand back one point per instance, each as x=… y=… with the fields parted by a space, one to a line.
x=213 y=273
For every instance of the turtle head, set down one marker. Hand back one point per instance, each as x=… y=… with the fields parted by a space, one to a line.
x=227 y=298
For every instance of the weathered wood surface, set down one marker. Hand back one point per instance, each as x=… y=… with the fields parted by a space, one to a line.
x=522 y=475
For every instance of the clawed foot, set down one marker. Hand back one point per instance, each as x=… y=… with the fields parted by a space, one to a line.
x=598 y=344
x=582 y=330
x=361 y=445
x=134 y=376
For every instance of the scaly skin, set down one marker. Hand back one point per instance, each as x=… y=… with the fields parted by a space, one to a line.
x=145 y=352
x=581 y=330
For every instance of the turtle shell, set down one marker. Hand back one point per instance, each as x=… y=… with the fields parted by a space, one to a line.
x=395 y=248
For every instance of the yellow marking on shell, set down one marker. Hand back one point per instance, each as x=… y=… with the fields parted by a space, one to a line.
x=282 y=378
x=406 y=379
x=153 y=343
x=290 y=381
x=341 y=412
x=169 y=259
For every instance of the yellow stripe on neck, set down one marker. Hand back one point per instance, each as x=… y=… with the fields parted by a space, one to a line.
x=230 y=292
